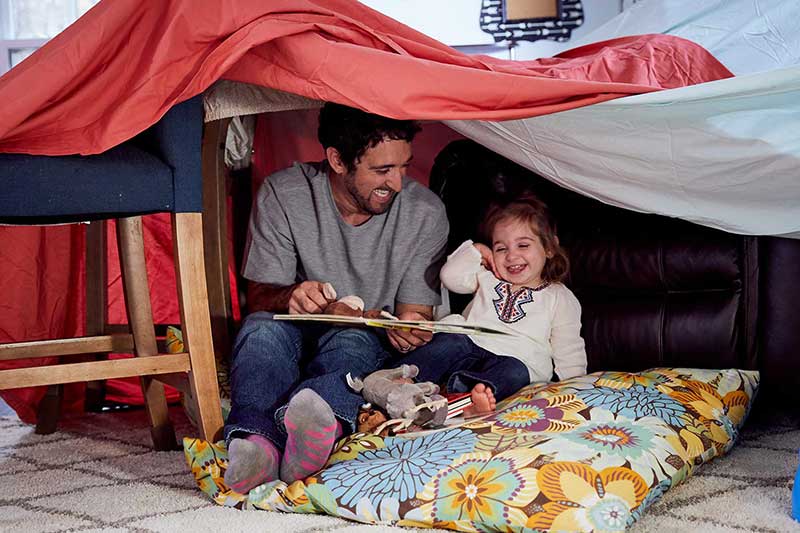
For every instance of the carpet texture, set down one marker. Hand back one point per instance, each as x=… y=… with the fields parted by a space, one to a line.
x=99 y=473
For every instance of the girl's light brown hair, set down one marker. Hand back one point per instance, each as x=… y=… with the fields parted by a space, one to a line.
x=528 y=209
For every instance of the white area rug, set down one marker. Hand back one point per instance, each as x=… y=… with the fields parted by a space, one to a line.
x=99 y=473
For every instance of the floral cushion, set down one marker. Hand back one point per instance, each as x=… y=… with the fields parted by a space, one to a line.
x=174 y=344
x=586 y=454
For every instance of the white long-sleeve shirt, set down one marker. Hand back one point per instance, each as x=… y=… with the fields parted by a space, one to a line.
x=546 y=323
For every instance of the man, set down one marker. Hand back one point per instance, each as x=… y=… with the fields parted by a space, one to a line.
x=354 y=221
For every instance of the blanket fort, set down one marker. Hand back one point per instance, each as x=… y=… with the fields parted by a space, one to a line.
x=120 y=67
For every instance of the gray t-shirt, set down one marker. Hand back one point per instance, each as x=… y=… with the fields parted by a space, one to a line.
x=296 y=233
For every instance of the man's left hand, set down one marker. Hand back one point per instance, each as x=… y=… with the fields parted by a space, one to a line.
x=407 y=341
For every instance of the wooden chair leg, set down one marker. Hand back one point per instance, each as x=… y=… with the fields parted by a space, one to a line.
x=187 y=229
x=49 y=409
x=96 y=286
x=140 y=317
x=215 y=234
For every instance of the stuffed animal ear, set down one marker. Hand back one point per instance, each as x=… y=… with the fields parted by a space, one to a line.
x=347 y=306
x=328 y=291
x=410 y=371
x=354 y=383
x=428 y=388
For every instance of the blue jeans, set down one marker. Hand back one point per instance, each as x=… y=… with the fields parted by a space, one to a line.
x=461 y=364
x=272 y=360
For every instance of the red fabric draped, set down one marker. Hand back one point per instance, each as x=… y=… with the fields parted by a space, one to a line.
x=38 y=303
x=119 y=68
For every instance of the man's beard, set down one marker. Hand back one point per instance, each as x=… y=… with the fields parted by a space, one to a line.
x=362 y=201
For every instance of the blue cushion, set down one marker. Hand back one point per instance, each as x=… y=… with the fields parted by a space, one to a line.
x=122 y=180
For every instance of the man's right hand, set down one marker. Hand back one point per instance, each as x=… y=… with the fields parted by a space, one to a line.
x=309 y=297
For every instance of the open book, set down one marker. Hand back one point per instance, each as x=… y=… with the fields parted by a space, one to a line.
x=393 y=323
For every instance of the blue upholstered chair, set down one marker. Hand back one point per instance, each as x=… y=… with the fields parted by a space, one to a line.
x=157 y=171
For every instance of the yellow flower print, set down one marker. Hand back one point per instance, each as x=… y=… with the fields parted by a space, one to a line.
x=296 y=493
x=708 y=404
x=480 y=488
x=582 y=499
x=736 y=403
x=712 y=413
x=625 y=380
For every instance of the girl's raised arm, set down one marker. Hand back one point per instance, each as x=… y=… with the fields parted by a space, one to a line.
x=460 y=272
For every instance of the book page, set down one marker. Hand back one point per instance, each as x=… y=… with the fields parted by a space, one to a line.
x=425 y=325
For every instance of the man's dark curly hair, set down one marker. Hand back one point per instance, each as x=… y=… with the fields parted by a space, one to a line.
x=352 y=131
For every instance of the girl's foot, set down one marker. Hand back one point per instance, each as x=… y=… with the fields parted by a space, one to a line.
x=482 y=401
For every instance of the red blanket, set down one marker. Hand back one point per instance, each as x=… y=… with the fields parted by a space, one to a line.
x=119 y=68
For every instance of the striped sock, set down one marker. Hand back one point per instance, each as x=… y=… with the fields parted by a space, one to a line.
x=311 y=430
x=252 y=461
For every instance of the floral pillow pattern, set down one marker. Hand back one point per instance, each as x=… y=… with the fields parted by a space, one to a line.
x=586 y=454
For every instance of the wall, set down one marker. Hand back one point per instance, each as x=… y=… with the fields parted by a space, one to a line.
x=456 y=23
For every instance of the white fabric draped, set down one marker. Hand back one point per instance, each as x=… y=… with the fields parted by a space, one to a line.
x=724 y=154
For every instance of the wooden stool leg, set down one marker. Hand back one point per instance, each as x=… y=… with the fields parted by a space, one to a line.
x=140 y=317
x=187 y=230
x=50 y=406
x=48 y=410
x=215 y=234
x=96 y=286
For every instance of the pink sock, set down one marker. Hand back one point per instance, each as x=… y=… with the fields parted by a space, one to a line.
x=252 y=461
x=311 y=430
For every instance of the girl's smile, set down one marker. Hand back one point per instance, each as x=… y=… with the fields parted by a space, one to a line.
x=519 y=255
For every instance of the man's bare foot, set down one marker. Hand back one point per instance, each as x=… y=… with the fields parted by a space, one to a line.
x=482 y=401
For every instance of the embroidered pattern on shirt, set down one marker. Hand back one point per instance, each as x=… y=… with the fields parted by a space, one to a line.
x=509 y=304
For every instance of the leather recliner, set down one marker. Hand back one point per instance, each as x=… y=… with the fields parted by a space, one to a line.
x=655 y=291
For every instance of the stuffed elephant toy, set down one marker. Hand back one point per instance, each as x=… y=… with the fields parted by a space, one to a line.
x=395 y=391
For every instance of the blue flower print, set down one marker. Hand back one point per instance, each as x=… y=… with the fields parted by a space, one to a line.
x=399 y=470
x=635 y=402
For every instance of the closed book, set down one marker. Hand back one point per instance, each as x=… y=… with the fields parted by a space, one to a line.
x=456 y=403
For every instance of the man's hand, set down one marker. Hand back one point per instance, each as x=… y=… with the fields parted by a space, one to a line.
x=310 y=297
x=406 y=341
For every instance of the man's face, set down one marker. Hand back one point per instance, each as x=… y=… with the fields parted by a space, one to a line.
x=378 y=175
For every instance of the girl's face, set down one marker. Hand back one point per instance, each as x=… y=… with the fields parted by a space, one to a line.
x=519 y=255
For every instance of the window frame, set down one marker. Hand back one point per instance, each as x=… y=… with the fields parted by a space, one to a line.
x=7 y=44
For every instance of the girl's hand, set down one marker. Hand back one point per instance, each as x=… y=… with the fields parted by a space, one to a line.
x=487 y=259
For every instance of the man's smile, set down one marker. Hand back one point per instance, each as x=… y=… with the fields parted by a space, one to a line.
x=383 y=194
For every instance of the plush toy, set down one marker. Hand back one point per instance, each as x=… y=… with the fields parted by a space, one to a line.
x=392 y=390
x=348 y=306
x=372 y=420
x=405 y=401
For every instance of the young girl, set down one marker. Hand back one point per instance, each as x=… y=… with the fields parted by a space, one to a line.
x=517 y=287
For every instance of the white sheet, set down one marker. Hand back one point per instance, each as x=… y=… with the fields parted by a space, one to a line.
x=724 y=154
x=746 y=35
